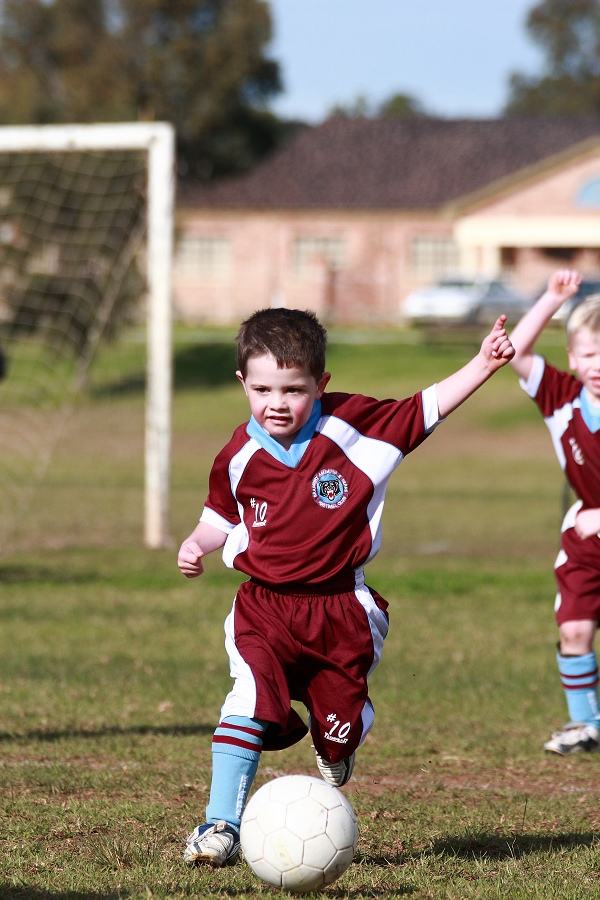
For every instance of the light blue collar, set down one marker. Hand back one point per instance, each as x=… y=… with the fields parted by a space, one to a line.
x=590 y=411
x=298 y=446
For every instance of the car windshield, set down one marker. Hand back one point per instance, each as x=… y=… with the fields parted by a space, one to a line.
x=588 y=287
x=456 y=283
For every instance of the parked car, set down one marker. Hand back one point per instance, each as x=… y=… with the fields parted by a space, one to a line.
x=465 y=301
x=587 y=287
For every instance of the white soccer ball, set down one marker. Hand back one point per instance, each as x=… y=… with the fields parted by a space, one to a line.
x=298 y=833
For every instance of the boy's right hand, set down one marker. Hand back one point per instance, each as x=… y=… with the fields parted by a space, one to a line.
x=189 y=559
x=562 y=284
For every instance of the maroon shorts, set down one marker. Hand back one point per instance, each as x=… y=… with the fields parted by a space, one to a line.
x=577 y=571
x=312 y=647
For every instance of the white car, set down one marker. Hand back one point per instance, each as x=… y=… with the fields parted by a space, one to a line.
x=464 y=300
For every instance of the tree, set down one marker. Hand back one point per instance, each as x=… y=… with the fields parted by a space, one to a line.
x=399 y=106
x=402 y=106
x=199 y=64
x=569 y=32
x=357 y=109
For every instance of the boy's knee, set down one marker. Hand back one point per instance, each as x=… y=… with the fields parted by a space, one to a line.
x=577 y=637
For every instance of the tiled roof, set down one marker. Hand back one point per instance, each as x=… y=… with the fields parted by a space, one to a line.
x=392 y=163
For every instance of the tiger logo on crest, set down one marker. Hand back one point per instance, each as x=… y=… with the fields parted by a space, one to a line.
x=329 y=489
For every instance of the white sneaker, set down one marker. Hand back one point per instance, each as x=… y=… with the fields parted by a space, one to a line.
x=212 y=844
x=574 y=737
x=337 y=773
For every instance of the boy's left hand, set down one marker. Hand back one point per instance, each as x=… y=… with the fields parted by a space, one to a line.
x=496 y=348
x=587 y=523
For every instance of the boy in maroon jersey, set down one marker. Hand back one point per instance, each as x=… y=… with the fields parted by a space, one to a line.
x=295 y=501
x=570 y=405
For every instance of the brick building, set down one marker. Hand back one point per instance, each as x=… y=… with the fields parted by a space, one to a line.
x=351 y=215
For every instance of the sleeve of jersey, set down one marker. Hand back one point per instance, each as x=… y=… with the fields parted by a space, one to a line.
x=403 y=423
x=548 y=387
x=220 y=509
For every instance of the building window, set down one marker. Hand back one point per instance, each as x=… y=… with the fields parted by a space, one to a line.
x=311 y=251
x=560 y=255
x=433 y=256
x=589 y=194
x=203 y=256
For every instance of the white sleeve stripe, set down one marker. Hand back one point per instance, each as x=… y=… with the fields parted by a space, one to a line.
x=557 y=424
x=373 y=456
x=431 y=409
x=216 y=521
x=571 y=515
x=374 y=513
x=238 y=463
x=376 y=458
x=238 y=539
x=531 y=385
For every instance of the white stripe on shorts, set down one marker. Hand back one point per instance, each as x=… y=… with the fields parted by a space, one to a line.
x=241 y=699
x=378 y=622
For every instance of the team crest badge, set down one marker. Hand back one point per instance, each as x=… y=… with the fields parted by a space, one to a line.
x=329 y=489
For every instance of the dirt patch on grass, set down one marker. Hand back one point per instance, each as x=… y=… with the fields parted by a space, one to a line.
x=556 y=779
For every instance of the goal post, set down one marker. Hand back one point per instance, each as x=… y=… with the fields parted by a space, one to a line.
x=157 y=140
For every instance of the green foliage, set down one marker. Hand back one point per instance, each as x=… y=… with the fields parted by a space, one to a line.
x=199 y=64
x=569 y=34
x=398 y=106
x=401 y=106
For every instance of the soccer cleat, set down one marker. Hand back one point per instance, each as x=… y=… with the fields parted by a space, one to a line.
x=574 y=737
x=337 y=773
x=213 y=845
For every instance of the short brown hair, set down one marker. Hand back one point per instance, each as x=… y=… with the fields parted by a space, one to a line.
x=585 y=315
x=294 y=337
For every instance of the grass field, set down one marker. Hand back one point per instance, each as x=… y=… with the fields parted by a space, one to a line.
x=112 y=669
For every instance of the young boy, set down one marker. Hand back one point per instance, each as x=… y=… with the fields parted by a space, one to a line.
x=570 y=405
x=295 y=500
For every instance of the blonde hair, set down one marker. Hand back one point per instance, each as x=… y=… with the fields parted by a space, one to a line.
x=585 y=315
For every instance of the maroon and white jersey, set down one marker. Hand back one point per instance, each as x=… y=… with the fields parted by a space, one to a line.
x=321 y=518
x=558 y=396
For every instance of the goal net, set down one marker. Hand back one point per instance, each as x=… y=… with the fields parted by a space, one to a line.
x=86 y=221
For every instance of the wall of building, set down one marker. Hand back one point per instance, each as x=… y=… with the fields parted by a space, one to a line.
x=555 y=193
x=550 y=220
x=359 y=266
x=345 y=266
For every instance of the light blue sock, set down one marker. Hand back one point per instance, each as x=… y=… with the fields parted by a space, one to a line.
x=236 y=749
x=579 y=677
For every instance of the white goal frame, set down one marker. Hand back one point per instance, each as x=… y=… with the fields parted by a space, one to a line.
x=158 y=140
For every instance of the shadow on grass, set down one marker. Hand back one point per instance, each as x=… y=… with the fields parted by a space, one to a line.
x=120 y=387
x=198 y=365
x=384 y=860
x=109 y=730
x=31 y=574
x=402 y=891
x=26 y=892
x=195 y=365
x=494 y=846
x=62 y=575
x=382 y=891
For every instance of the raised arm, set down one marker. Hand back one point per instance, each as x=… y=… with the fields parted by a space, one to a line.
x=562 y=284
x=496 y=350
x=204 y=539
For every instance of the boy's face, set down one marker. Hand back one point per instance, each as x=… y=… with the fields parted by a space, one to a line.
x=281 y=400
x=584 y=359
